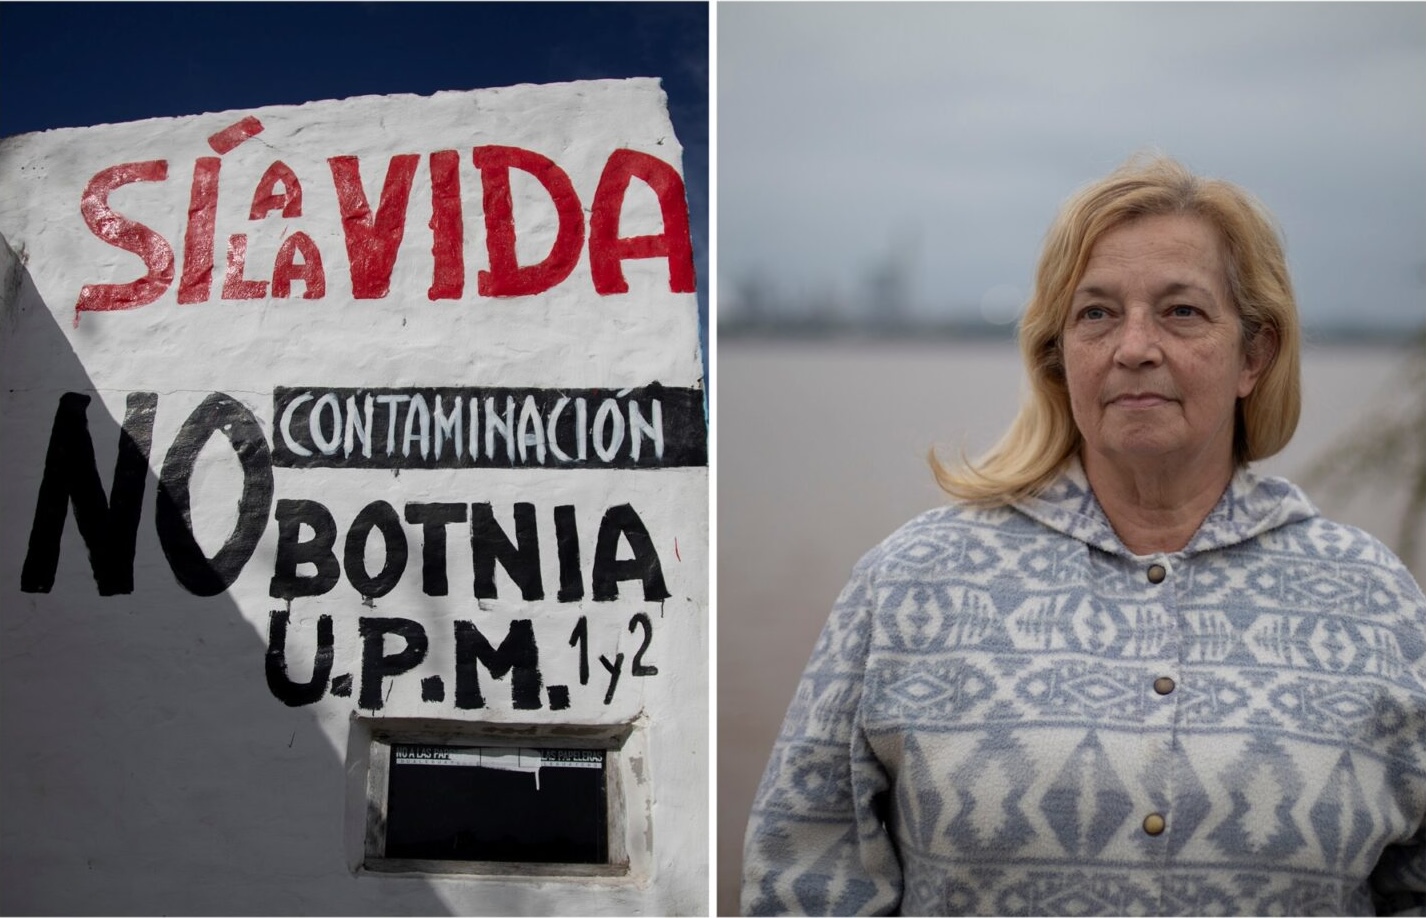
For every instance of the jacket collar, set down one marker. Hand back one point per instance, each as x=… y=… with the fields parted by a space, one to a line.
x=1250 y=506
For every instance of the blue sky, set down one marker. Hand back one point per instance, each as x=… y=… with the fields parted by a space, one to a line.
x=79 y=64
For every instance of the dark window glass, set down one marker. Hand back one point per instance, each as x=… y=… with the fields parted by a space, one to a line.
x=489 y=803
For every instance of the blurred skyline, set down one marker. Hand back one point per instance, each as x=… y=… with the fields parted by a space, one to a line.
x=902 y=161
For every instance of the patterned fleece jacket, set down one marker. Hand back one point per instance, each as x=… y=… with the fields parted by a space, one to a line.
x=1009 y=713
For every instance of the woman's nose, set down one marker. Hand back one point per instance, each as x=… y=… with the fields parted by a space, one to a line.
x=1138 y=343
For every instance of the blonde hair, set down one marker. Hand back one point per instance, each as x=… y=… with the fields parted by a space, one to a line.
x=1043 y=437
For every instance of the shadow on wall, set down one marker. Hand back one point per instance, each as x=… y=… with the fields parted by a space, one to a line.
x=148 y=767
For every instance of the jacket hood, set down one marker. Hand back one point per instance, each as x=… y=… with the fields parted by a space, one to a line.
x=1250 y=506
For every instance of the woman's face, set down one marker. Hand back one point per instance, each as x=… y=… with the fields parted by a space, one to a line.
x=1153 y=348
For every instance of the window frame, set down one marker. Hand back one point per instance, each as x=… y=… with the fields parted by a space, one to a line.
x=373 y=739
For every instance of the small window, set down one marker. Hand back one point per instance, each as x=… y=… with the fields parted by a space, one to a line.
x=494 y=799
x=494 y=803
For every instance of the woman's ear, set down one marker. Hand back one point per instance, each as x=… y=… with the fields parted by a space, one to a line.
x=1259 y=357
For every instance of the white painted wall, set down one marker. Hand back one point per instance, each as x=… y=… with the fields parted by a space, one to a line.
x=148 y=766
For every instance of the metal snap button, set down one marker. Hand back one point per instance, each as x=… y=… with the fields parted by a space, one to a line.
x=1163 y=685
x=1154 y=824
x=1157 y=573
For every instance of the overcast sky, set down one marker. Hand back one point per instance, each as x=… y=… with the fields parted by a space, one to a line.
x=940 y=139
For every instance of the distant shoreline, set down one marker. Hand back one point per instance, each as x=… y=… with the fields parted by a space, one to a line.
x=789 y=331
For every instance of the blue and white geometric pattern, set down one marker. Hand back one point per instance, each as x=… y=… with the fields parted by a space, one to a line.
x=980 y=732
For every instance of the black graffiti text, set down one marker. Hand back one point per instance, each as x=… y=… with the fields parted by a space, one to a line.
x=307 y=531
x=307 y=534
x=109 y=528
x=394 y=647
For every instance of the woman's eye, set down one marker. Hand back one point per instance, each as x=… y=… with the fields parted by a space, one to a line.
x=1093 y=312
x=1182 y=311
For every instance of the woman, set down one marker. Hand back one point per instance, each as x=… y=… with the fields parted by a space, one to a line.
x=1121 y=674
